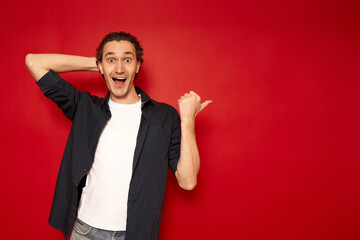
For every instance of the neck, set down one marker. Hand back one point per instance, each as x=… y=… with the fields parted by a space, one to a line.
x=131 y=98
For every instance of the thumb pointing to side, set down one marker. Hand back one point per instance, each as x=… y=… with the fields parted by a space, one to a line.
x=204 y=104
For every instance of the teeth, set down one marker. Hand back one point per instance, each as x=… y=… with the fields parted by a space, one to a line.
x=120 y=79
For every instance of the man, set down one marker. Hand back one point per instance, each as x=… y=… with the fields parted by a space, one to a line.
x=114 y=168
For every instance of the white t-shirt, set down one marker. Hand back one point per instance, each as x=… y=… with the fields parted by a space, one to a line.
x=103 y=202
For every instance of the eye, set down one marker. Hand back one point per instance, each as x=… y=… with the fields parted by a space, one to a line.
x=111 y=60
x=127 y=60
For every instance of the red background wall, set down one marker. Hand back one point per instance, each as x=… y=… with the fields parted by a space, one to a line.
x=279 y=144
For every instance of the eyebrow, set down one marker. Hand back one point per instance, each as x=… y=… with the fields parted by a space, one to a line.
x=125 y=53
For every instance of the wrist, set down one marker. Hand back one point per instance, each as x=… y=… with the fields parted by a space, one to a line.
x=91 y=64
x=187 y=123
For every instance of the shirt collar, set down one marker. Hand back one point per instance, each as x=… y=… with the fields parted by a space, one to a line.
x=144 y=97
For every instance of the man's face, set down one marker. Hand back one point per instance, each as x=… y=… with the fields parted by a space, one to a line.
x=119 y=67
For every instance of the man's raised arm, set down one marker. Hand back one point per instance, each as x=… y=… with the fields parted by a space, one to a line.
x=40 y=64
x=189 y=163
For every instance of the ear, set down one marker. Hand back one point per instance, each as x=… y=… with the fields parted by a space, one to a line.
x=100 y=66
x=138 y=65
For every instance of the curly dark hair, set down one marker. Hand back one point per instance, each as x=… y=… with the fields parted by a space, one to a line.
x=118 y=36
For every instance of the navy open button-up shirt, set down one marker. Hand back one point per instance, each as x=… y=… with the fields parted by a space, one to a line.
x=157 y=148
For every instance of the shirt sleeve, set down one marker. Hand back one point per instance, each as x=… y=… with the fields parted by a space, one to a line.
x=61 y=92
x=174 y=148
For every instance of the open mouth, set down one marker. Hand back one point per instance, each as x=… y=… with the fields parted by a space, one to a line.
x=119 y=79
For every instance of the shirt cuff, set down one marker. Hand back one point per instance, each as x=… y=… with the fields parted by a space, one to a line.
x=48 y=81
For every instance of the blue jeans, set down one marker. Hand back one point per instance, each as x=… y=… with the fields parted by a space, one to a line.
x=83 y=231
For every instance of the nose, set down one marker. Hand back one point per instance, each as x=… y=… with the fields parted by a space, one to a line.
x=119 y=67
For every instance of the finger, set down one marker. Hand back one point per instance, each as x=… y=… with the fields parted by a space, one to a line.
x=204 y=104
x=195 y=95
